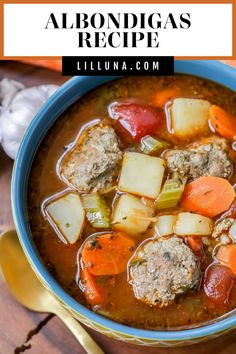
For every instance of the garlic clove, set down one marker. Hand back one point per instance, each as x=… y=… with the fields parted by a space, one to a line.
x=18 y=111
x=10 y=147
x=10 y=129
x=8 y=90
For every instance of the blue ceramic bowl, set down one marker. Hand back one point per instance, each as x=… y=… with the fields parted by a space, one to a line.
x=53 y=108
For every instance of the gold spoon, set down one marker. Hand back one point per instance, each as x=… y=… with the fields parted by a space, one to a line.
x=28 y=290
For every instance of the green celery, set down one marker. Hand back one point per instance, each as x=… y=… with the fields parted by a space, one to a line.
x=150 y=145
x=171 y=193
x=97 y=210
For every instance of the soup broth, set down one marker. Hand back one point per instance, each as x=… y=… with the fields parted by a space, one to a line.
x=124 y=301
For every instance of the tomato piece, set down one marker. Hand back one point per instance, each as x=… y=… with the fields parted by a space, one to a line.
x=138 y=120
x=195 y=243
x=218 y=283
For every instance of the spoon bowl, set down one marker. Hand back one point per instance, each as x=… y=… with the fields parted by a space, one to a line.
x=27 y=289
x=20 y=277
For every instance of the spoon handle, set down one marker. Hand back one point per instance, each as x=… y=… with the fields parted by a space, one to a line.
x=89 y=345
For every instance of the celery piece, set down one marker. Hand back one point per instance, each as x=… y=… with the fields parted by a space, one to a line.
x=150 y=145
x=97 y=210
x=171 y=193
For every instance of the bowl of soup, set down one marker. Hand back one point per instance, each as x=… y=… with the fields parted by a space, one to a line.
x=123 y=196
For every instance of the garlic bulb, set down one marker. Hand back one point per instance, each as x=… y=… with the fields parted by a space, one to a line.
x=18 y=107
x=8 y=89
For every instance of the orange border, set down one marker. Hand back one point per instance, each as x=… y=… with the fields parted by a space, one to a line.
x=234 y=28
x=117 y=2
x=233 y=2
x=1 y=29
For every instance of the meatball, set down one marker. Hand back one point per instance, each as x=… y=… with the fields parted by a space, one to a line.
x=162 y=269
x=222 y=227
x=205 y=160
x=92 y=164
x=225 y=231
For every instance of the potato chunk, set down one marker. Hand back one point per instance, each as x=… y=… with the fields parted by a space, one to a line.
x=193 y=224
x=189 y=116
x=141 y=174
x=66 y=214
x=165 y=225
x=131 y=215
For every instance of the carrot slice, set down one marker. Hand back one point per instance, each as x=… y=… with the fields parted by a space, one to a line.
x=227 y=255
x=93 y=292
x=107 y=254
x=166 y=95
x=208 y=196
x=223 y=122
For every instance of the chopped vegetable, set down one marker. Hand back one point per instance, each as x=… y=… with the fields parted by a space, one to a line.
x=107 y=254
x=218 y=283
x=150 y=145
x=165 y=225
x=193 y=224
x=208 y=196
x=141 y=174
x=97 y=210
x=166 y=95
x=223 y=122
x=93 y=292
x=171 y=193
x=66 y=214
x=189 y=116
x=131 y=215
x=227 y=255
x=138 y=120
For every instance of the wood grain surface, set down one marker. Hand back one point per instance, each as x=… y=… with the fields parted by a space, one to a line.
x=22 y=330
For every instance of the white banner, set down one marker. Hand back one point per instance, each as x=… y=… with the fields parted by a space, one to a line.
x=104 y=29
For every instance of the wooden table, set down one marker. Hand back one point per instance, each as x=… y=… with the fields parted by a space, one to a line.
x=25 y=331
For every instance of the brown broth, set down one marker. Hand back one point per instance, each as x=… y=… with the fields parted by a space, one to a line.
x=61 y=258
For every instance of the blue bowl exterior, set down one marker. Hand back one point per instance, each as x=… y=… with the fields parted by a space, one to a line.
x=53 y=108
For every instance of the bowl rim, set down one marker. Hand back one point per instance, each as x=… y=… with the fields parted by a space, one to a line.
x=69 y=90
